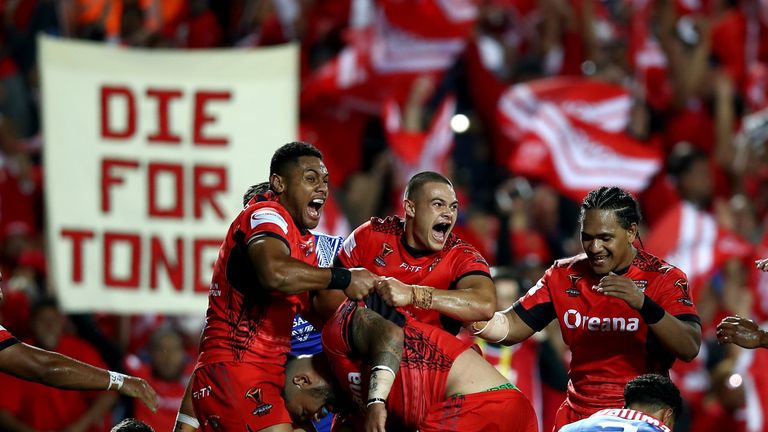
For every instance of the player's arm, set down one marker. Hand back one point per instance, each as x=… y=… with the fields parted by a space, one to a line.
x=680 y=338
x=505 y=327
x=278 y=271
x=185 y=418
x=57 y=370
x=742 y=332
x=380 y=342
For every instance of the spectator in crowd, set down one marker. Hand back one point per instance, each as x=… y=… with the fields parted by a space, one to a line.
x=32 y=403
x=267 y=266
x=652 y=403
x=599 y=298
x=401 y=375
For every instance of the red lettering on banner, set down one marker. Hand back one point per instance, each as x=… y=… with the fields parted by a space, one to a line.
x=202 y=117
x=177 y=210
x=134 y=242
x=200 y=245
x=163 y=133
x=206 y=191
x=107 y=179
x=158 y=257
x=77 y=237
x=115 y=93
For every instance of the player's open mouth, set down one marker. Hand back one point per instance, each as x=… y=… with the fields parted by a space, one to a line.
x=440 y=232
x=314 y=207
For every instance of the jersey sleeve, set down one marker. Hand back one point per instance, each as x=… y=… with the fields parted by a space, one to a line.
x=335 y=335
x=352 y=253
x=536 y=308
x=672 y=294
x=6 y=338
x=267 y=219
x=468 y=261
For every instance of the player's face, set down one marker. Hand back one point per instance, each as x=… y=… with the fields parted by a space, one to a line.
x=607 y=244
x=309 y=402
x=304 y=190
x=433 y=212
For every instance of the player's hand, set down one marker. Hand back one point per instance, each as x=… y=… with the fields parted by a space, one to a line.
x=375 y=418
x=361 y=284
x=138 y=388
x=621 y=287
x=762 y=264
x=394 y=292
x=740 y=331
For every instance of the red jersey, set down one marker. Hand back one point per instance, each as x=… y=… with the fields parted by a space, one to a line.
x=428 y=354
x=6 y=338
x=379 y=246
x=609 y=341
x=169 y=395
x=245 y=322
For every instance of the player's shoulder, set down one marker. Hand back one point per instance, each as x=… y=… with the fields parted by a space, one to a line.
x=389 y=225
x=575 y=263
x=652 y=264
x=268 y=211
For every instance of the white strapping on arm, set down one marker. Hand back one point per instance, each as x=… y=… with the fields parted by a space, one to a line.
x=495 y=330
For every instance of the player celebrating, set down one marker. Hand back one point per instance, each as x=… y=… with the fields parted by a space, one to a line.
x=652 y=403
x=417 y=377
x=622 y=311
x=432 y=272
x=260 y=279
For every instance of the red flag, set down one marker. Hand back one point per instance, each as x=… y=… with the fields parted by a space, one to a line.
x=432 y=18
x=692 y=240
x=569 y=132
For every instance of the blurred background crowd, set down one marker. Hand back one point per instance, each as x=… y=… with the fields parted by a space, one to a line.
x=392 y=87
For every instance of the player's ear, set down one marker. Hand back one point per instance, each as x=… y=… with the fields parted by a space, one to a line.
x=300 y=380
x=632 y=232
x=410 y=208
x=276 y=183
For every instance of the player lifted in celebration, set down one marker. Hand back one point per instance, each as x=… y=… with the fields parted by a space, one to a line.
x=432 y=272
x=622 y=311
x=260 y=281
x=406 y=376
x=652 y=403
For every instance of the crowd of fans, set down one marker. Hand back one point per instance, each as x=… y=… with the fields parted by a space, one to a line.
x=697 y=72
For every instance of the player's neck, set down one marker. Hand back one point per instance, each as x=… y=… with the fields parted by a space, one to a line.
x=624 y=266
x=409 y=244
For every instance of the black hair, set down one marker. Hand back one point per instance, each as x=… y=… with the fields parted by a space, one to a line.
x=132 y=425
x=42 y=303
x=254 y=190
x=419 y=180
x=289 y=154
x=621 y=202
x=682 y=158
x=654 y=391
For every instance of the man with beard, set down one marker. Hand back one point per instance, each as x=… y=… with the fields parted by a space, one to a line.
x=622 y=311
x=401 y=375
x=265 y=268
x=432 y=274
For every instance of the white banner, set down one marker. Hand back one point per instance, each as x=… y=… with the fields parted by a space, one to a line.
x=147 y=156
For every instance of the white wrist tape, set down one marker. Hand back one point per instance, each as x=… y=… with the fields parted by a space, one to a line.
x=382 y=378
x=116 y=378
x=187 y=420
x=495 y=330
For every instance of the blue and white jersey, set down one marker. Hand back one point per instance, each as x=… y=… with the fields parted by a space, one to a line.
x=617 y=420
x=305 y=340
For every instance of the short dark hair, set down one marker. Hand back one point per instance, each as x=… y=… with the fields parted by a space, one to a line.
x=682 y=158
x=45 y=302
x=289 y=154
x=654 y=391
x=621 y=202
x=419 y=180
x=254 y=190
x=132 y=425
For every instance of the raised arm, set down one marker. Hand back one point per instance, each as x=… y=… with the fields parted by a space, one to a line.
x=277 y=270
x=57 y=370
x=380 y=342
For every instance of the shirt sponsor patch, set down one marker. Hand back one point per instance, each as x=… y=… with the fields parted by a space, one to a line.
x=265 y=215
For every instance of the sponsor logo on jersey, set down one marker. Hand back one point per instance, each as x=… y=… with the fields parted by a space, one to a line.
x=386 y=250
x=574 y=320
x=268 y=216
x=434 y=263
x=203 y=392
x=355 y=381
x=412 y=268
x=262 y=408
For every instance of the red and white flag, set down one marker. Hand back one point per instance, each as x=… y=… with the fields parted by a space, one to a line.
x=569 y=133
x=692 y=240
